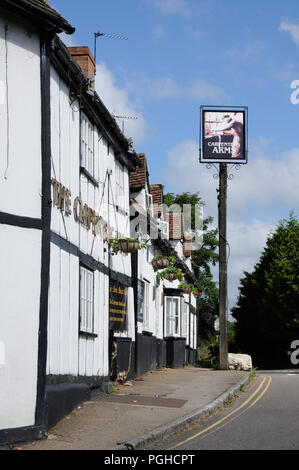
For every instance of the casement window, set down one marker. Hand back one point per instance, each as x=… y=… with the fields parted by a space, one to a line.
x=194 y=332
x=146 y=306
x=87 y=145
x=185 y=329
x=172 y=316
x=86 y=300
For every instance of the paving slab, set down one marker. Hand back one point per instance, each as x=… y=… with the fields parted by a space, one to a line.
x=141 y=410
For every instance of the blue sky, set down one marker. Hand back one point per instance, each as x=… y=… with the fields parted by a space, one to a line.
x=184 y=53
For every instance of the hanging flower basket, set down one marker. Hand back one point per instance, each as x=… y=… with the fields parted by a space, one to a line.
x=170 y=274
x=126 y=245
x=160 y=263
x=189 y=289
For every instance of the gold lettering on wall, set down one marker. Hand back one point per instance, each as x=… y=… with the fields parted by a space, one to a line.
x=83 y=214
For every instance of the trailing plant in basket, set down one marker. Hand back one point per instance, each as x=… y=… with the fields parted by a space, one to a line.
x=175 y=272
x=189 y=288
x=160 y=262
x=115 y=244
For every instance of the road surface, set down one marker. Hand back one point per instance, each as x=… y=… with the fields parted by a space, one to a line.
x=265 y=416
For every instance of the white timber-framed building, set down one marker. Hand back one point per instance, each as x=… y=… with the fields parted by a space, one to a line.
x=66 y=173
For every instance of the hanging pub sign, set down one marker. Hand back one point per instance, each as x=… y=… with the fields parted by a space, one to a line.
x=223 y=135
x=118 y=304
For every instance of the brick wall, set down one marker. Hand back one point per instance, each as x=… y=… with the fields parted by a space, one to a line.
x=187 y=245
x=84 y=59
x=175 y=221
x=156 y=190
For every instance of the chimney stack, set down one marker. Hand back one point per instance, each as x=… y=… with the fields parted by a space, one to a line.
x=156 y=190
x=85 y=60
x=175 y=221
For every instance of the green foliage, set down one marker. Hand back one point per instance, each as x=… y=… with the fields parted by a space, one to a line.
x=172 y=259
x=267 y=311
x=114 y=243
x=178 y=273
x=184 y=286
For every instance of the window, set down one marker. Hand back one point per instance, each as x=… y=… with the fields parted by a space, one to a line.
x=146 y=305
x=87 y=145
x=185 y=332
x=149 y=203
x=172 y=316
x=120 y=186
x=86 y=300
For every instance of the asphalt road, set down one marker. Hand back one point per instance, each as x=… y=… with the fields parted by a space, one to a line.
x=265 y=416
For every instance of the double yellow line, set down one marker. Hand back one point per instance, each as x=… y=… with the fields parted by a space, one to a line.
x=234 y=412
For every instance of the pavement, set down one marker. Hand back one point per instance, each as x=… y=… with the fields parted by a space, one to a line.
x=143 y=411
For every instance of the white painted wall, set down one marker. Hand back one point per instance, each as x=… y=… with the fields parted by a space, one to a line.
x=20 y=118
x=20 y=194
x=69 y=352
x=20 y=254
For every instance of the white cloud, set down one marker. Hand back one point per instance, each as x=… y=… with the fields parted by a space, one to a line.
x=263 y=182
x=269 y=185
x=251 y=51
x=159 y=32
x=118 y=102
x=291 y=28
x=172 y=7
x=202 y=89
x=167 y=87
x=247 y=241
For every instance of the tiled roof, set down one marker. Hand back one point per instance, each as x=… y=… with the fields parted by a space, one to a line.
x=41 y=11
x=139 y=178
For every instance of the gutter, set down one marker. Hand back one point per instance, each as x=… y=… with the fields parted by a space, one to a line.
x=52 y=20
x=71 y=72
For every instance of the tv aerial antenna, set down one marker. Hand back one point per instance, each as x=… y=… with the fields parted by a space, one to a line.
x=123 y=120
x=104 y=35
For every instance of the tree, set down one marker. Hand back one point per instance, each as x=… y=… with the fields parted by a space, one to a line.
x=267 y=310
x=202 y=260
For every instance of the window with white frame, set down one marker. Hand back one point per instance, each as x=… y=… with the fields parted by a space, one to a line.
x=86 y=300
x=185 y=332
x=172 y=316
x=195 y=332
x=87 y=145
x=146 y=306
x=191 y=330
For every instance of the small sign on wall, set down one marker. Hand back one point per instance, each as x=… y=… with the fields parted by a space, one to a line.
x=118 y=303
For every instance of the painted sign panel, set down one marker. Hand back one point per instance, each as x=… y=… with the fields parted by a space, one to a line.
x=223 y=136
x=118 y=302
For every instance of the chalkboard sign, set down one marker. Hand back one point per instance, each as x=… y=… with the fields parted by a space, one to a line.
x=118 y=299
x=140 y=300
